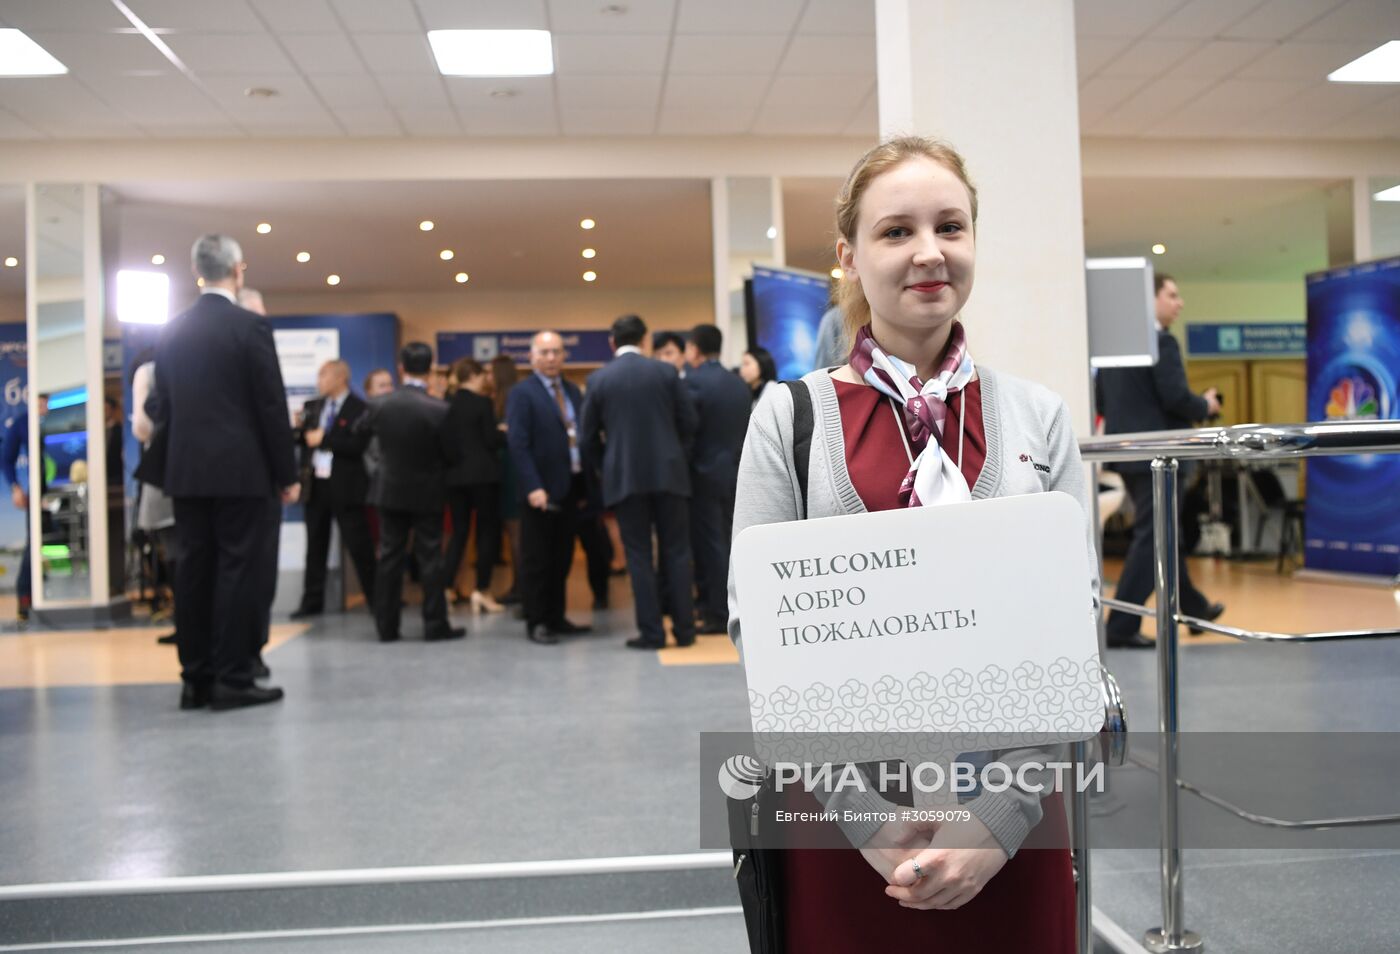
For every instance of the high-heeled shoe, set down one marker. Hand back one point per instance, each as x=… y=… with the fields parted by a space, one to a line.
x=482 y=602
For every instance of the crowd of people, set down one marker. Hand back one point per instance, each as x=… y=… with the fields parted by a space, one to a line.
x=405 y=472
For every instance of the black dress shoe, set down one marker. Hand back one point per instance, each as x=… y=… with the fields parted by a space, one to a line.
x=456 y=632
x=565 y=628
x=306 y=612
x=641 y=643
x=194 y=696
x=683 y=643
x=1135 y=641
x=222 y=697
x=260 y=670
x=390 y=639
x=509 y=599
x=1213 y=612
x=169 y=639
x=538 y=634
x=707 y=627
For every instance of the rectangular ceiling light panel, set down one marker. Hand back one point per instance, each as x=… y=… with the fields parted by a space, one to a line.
x=493 y=52
x=1381 y=65
x=21 y=56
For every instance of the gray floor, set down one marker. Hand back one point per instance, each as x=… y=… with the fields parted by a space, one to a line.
x=493 y=749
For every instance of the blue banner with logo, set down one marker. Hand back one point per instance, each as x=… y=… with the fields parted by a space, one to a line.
x=1264 y=340
x=583 y=347
x=14 y=380
x=1353 y=522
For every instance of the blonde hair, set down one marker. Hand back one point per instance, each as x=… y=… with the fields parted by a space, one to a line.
x=875 y=163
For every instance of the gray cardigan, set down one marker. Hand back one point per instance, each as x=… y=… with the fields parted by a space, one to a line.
x=1031 y=448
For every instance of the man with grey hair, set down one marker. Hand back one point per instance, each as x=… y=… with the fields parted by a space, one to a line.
x=220 y=401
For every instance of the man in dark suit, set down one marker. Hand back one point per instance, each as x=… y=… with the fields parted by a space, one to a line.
x=1151 y=399
x=638 y=424
x=410 y=492
x=228 y=451
x=542 y=414
x=335 y=484
x=722 y=404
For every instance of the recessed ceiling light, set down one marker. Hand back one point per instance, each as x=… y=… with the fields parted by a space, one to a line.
x=303 y=256
x=11 y=262
x=157 y=259
x=589 y=252
x=446 y=255
x=426 y=225
x=504 y=92
x=332 y=279
x=587 y=224
x=21 y=56
x=493 y=52
x=837 y=273
x=1388 y=195
x=772 y=231
x=264 y=228
x=461 y=278
x=1381 y=65
x=614 y=10
x=199 y=282
x=590 y=276
x=260 y=92
x=1159 y=249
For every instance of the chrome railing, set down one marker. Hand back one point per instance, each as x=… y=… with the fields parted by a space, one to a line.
x=1165 y=449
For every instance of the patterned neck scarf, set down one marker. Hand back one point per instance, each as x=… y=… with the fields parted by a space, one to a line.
x=933 y=479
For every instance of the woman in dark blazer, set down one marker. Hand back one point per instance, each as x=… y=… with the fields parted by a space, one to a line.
x=474 y=483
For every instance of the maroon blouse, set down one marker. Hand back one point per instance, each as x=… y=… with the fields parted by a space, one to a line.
x=832 y=899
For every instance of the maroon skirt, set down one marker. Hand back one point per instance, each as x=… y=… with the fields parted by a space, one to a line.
x=834 y=901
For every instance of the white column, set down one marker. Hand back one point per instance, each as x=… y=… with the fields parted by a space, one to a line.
x=997 y=80
x=746 y=223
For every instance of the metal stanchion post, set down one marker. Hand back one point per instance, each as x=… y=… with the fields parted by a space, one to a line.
x=1079 y=822
x=1172 y=935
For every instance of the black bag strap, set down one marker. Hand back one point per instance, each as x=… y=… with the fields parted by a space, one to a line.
x=802 y=426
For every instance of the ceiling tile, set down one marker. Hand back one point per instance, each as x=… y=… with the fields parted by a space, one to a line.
x=1150 y=57
x=302 y=127
x=348 y=90
x=1101 y=94
x=56 y=100
x=1380 y=122
x=529 y=112
x=293 y=94
x=838 y=17
x=1148 y=105
x=1319 y=106
x=301 y=16
x=609 y=53
x=378 y=16
x=840 y=55
x=396 y=52
x=609 y=92
x=607 y=122
x=702 y=121
x=1092 y=53
x=1203 y=19
x=1376 y=20
x=483 y=14
x=406 y=91
x=866 y=121
x=194 y=130
x=1276 y=19
x=94 y=53
x=825 y=94
x=1219 y=58
x=12 y=127
x=699 y=93
x=369 y=121
x=1235 y=102
x=203 y=16
x=805 y=120
x=587 y=16
x=727 y=54
x=1299 y=60
x=212 y=54
x=156 y=99
x=721 y=16
x=30 y=15
x=430 y=122
x=322 y=53
x=1116 y=18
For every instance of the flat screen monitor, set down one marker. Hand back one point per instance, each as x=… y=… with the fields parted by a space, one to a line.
x=1122 y=316
x=784 y=308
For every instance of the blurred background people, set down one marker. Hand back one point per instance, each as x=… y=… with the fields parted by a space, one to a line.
x=758 y=370
x=638 y=424
x=504 y=376
x=335 y=484
x=17 y=443
x=474 y=482
x=669 y=347
x=722 y=404
x=542 y=418
x=219 y=398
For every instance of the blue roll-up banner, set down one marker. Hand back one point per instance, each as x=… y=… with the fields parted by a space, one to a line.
x=787 y=311
x=583 y=347
x=1353 y=521
x=14 y=379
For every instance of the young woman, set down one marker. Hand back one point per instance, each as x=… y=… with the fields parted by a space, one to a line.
x=474 y=483
x=758 y=370
x=912 y=420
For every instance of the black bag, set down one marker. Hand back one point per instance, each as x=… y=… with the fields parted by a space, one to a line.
x=758 y=871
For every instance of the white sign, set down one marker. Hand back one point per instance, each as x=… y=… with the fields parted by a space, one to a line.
x=301 y=352
x=965 y=618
